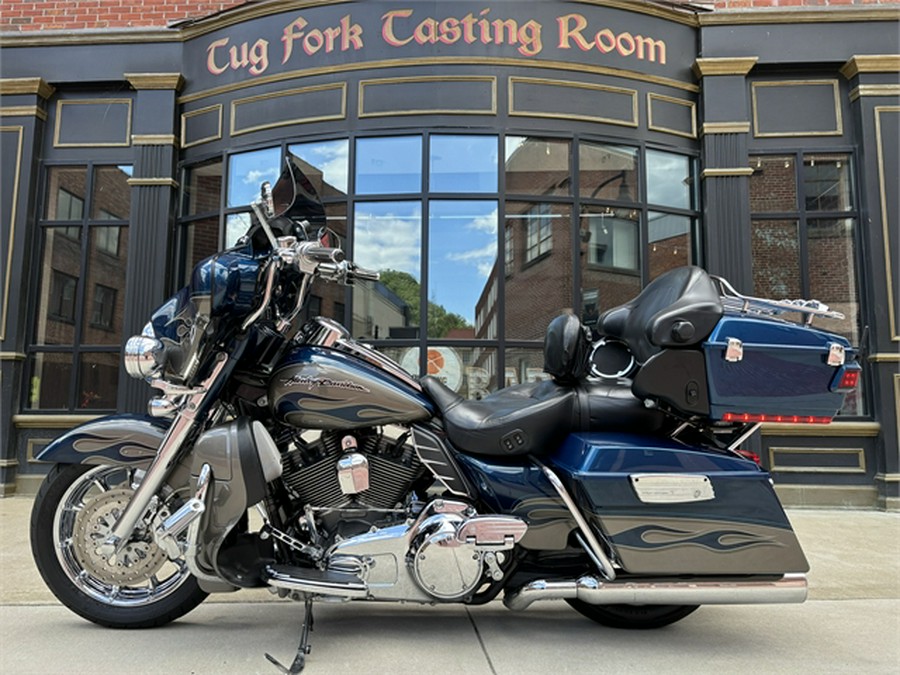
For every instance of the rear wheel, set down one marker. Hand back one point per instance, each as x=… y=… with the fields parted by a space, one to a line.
x=640 y=617
x=73 y=512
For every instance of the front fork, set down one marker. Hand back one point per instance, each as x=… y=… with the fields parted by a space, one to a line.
x=166 y=458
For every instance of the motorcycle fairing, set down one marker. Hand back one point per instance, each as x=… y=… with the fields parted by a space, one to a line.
x=736 y=526
x=117 y=439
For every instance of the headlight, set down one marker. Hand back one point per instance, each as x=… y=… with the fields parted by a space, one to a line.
x=144 y=355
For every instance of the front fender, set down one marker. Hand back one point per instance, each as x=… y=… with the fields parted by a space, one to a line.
x=117 y=439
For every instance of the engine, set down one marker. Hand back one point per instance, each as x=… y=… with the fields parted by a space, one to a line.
x=351 y=479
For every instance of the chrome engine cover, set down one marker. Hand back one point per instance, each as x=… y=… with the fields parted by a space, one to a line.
x=445 y=554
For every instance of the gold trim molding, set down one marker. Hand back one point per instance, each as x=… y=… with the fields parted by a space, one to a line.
x=884 y=358
x=235 y=104
x=152 y=182
x=425 y=79
x=165 y=81
x=883 y=190
x=721 y=173
x=154 y=139
x=652 y=96
x=833 y=430
x=796 y=16
x=441 y=61
x=887 y=477
x=13 y=212
x=709 y=128
x=885 y=90
x=724 y=66
x=24 y=111
x=12 y=356
x=218 y=108
x=772 y=84
x=820 y=452
x=633 y=122
x=871 y=63
x=92 y=101
x=26 y=85
x=51 y=421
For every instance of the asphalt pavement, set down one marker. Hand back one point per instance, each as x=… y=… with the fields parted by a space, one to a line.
x=850 y=624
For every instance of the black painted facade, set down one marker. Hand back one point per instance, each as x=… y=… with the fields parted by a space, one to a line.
x=730 y=94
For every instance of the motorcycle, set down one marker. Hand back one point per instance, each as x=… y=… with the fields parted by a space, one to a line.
x=618 y=484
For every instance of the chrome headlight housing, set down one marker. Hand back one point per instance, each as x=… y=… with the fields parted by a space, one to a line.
x=144 y=355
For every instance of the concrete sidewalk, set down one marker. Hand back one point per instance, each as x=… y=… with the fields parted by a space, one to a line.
x=851 y=624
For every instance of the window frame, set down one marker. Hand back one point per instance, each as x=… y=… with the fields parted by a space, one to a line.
x=802 y=216
x=82 y=230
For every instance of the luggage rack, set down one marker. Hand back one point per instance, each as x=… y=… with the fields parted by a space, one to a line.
x=745 y=304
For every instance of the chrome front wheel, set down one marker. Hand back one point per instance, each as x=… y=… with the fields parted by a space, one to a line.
x=139 y=587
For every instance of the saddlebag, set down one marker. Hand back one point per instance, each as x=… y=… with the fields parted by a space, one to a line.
x=669 y=510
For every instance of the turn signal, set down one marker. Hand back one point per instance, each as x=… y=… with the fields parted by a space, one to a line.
x=781 y=419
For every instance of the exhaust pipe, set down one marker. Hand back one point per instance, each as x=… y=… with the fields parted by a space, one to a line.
x=791 y=588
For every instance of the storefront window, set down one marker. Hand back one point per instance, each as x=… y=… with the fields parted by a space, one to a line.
x=328 y=165
x=415 y=195
x=74 y=347
x=466 y=164
x=826 y=183
x=608 y=172
x=389 y=165
x=671 y=242
x=614 y=237
x=540 y=283
x=202 y=188
x=387 y=238
x=804 y=241
x=669 y=180
x=462 y=260
x=247 y=171
x=537 y=166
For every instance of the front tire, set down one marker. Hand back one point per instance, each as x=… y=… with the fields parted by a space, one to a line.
x=634 y=617
x=73 y=511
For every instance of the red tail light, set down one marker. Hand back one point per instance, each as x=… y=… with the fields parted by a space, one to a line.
x=751 y=418
x=846 y=379
x=748 y=454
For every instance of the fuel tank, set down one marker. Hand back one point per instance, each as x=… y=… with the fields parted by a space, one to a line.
x=316 y=387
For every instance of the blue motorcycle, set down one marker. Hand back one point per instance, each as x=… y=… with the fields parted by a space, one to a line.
x=302 y=460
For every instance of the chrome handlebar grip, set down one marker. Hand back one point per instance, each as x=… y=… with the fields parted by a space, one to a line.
x=362 y=273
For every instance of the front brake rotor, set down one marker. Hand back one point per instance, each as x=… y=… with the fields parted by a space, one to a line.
x=138 y=561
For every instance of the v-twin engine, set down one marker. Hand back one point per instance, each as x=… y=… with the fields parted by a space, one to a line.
x=446 y=554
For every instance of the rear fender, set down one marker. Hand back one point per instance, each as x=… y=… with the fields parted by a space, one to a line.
x=118 y=439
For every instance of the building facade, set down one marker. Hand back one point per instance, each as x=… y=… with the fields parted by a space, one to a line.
x=499 y=162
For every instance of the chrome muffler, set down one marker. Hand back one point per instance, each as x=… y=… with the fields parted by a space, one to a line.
x=791 y=588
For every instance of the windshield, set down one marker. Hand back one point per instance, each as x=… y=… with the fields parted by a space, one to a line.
x=294 y=196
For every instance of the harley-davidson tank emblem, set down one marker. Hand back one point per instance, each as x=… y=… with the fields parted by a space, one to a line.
x=317 y=382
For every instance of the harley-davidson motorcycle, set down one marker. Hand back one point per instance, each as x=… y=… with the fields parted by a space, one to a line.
x=617 y=484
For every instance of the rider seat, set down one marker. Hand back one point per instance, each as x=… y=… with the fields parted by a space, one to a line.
x=537 y=416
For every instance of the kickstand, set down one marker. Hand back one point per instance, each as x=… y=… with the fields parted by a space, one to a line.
x=304 y=648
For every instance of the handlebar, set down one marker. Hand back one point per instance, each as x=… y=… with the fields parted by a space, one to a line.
x=322 y=254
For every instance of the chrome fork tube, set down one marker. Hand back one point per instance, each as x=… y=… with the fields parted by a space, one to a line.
x=161 y=467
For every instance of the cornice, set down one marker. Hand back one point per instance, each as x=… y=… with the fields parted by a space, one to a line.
x=871 y=63
x=26 y=85
x=163 y=81
x=724 y=66
x=829 y=15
